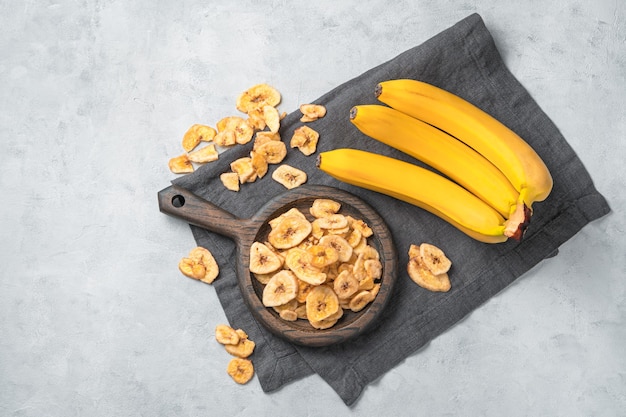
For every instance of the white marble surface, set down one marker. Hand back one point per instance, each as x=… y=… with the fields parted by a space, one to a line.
x=95 y=319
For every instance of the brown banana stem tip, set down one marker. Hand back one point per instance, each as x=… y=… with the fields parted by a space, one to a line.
x=517 y=224
x=353 y=112
x=318 y=160
x=378 y=90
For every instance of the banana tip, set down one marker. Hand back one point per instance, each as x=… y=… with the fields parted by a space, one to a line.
x=353 y=112
x=378 y=90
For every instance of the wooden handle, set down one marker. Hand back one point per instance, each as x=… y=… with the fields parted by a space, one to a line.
x=178 y=202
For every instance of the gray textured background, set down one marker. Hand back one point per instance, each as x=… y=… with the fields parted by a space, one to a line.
x=95 y=318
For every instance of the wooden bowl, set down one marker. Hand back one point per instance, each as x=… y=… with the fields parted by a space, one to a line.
x=180 y=203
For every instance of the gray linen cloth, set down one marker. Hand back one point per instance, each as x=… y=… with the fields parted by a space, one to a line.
x=464 y=60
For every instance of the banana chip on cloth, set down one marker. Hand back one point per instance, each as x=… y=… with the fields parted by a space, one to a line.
x=464 y=60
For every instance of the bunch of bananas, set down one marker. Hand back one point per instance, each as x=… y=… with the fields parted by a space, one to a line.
x=485 y=177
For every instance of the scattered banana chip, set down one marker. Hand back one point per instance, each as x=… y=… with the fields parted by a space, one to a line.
x=419 y=268
x=230 y=180
x=256 y=97
x=305 y=139
x=240 y=370
x=271 y=118
x=289 y=176
x=243 y=349
x=434 y=259
x=180 y=164
x=199 y=264
x=204 y=155
x=195 y=134
x=312 y=112
x=244 y=169
x=273 y=151
x=226 y=335
x=319 y=274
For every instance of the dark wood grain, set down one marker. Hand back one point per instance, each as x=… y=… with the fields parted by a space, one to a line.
x=244 y=232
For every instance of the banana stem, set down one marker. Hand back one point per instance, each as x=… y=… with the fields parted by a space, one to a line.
x=517 y=223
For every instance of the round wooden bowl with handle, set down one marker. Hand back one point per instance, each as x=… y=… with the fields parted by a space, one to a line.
x=180 y=203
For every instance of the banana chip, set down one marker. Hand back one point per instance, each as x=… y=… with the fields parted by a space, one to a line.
x=419 y=268
x=230 y=180
x=197 y=133
x=226 y=335
x=434 y=259
x=320 y=273
x=271 y=118
x=180 y=164
x=245 y=169
x=240 y=370
x=256 y=97
x=274 y=151
x=199 y=264
x=282 y=288
x=305 y=139
x=289 y=176
x=312 y=112
x=204 y=155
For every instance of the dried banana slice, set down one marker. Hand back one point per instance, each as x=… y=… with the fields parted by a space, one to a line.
x=259 y=163
x=199 y=264
x=360 y=300
x=289 y=232
x=180 y=164
x=204 y=155
x=434 y=259
x=263 y=260
x=256 y=120
x=281 y=289
x=289 y=176
x=230 y=180
x=288 y=315
x=272 y=118
x=291 y=212
x=361 y=226
x=244 y=169
x=312 y=112
x=321 y=256
x=256 y=97
x=343 y=248
x=305 y=139
x=297 y=261
x=289 y=305
x=333 y=221
x=240 y=126
x=195 y=134
x=423 y=277
x=414 y=251
x=323 y=207
x=304 y=288
x=226 y=335
x=373 y=268
x=225 y=138
x=321 y=303
x=240 y=370
x=265 y=136
x=345 y=285
x=243 y=349
x=327 y=322
x=273 y=151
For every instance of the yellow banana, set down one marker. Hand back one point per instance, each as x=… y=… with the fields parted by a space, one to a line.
x=504 y=148
x=441 y=151
x=418 y=186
